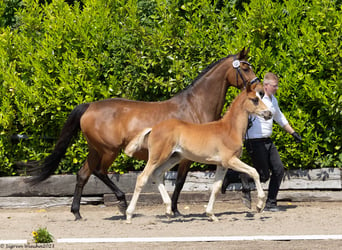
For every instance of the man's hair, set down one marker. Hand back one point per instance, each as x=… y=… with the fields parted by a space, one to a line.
x=270 y=77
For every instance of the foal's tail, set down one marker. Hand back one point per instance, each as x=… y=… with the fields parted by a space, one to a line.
x=50 y=163
x=137 y=142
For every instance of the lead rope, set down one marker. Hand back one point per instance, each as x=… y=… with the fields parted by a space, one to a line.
x=250 y=124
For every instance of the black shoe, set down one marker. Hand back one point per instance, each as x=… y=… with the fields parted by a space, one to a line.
x=272 y=208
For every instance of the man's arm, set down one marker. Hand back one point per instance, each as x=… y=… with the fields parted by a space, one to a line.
x=288 y=129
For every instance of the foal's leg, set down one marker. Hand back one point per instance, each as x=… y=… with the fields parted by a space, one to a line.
x=140 y=183
x=219 y=176
x=158 y=176
x=238 y=165
x=182 y=172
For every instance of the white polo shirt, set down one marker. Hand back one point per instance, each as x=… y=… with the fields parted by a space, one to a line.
x=262 y=128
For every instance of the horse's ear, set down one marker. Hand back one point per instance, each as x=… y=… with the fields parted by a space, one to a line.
x=243 y=53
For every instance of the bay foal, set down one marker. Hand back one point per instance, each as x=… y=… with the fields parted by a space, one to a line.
x=219 y=142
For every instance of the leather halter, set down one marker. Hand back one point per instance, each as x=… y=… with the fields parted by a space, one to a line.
x=236 y=65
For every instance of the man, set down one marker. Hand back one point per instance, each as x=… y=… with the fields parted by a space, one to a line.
x=263 y=152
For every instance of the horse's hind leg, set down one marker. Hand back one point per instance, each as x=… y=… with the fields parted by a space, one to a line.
x=157 y=168
x=182 y=172
x=219 y=176
x=101 y=171
x=122 y=205
x=82 y=179
x=158 y=176
x=92 y=162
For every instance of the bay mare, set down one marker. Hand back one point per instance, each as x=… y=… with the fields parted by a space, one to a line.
x=218 y=142
x=109 y=125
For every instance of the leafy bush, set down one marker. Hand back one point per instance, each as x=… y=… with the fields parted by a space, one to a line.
x=301 y=43
x=57 y=54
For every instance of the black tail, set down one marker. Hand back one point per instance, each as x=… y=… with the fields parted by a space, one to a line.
x=50 y=163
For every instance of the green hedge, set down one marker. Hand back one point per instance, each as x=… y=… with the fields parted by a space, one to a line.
x=57 y=54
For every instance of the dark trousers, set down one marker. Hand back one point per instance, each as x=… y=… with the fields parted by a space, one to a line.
x=265 y=158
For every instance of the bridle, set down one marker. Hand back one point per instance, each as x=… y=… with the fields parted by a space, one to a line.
x=236 y=65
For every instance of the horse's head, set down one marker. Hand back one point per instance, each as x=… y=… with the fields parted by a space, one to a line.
x=254 y=104
x=241 y=73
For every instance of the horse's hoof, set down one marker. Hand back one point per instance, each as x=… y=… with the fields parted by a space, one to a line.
x=77 y=216
x=169 y=215
x=176 y=213
x=212 y=218
x=261 y=205
x=122 y=205
x=260 y=208
x=128 y=218
x=81 y=219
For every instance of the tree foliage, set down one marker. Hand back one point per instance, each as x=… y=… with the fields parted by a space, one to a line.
x=57 y=54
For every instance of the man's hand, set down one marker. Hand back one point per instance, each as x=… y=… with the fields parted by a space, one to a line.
x=297 y=137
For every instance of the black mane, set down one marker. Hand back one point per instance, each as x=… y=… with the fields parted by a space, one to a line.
x=212 y=65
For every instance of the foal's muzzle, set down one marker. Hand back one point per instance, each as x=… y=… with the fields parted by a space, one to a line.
x=267 y=114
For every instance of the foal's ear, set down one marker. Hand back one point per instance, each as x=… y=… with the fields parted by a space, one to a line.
x=243 y=53
x=259 y=89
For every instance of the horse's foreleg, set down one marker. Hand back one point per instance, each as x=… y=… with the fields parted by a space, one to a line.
x=82 y=179
x=238 y=165
x=219 y=176
x=182 y=172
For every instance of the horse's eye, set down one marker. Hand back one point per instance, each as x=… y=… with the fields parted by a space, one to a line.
x=246 y=68
x=255 y=101
x=261 y=93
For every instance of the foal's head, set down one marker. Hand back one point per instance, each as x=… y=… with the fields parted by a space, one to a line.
x=241 y=73
x=253 y=103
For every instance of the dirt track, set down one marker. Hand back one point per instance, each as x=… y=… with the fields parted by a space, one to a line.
x=306 y=218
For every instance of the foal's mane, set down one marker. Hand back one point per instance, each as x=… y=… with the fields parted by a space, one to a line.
x=234 y=102
x=206 y=70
